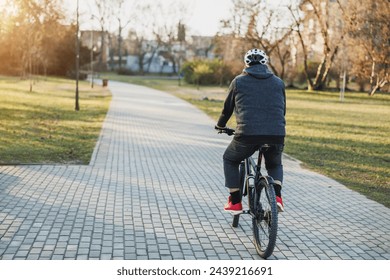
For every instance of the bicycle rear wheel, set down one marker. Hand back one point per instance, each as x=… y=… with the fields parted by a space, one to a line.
x=236 y=218
x=265 y=218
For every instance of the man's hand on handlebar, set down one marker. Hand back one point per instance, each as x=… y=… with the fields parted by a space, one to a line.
x=225 y=129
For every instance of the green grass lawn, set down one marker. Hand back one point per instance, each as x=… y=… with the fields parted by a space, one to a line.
x=42 y=126
x=348 y=141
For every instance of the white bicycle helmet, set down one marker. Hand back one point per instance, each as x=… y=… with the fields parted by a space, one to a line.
x=255 y=56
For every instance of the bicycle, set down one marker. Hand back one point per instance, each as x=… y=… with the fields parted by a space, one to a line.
x=261 y=201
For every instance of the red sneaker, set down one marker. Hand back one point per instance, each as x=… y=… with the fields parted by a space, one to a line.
x=235 y=209
x=279 y=203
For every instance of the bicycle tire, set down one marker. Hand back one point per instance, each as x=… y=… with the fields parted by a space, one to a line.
x=236 y=218
x=265 y=219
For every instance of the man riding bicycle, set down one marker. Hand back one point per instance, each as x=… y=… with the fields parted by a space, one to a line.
x=258 y=100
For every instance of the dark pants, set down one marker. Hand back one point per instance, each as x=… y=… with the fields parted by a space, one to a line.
x=237 y=152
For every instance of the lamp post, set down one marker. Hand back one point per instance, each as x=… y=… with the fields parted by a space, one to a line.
x=77 y=106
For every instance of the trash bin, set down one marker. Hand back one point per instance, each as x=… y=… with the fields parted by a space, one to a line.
x=105 y=82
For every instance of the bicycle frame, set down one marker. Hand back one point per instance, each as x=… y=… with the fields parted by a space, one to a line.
x=252 y=172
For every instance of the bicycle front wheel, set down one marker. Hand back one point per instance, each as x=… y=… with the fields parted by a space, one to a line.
x=265 y=218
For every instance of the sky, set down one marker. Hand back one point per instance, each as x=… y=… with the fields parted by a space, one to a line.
x=207 y=15
x=204 y=16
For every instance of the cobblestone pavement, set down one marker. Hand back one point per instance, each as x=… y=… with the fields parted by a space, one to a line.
x=154 y=190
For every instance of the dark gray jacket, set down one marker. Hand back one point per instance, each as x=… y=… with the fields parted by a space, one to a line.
x=258 y=100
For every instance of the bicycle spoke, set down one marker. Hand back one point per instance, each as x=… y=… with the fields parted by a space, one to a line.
x=265 y=221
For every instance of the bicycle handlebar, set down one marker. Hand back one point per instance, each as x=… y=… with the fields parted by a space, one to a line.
x=228 y=131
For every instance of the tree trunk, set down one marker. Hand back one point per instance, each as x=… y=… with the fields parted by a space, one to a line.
x=378 y=85
x=302 y=42
x=317 y=80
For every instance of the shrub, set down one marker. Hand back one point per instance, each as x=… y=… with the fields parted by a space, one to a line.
x=206 y=72
x=124 y=71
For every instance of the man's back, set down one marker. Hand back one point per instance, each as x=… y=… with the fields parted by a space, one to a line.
x=260 y=102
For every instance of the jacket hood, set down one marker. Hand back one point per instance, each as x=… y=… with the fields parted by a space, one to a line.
x=259 y=71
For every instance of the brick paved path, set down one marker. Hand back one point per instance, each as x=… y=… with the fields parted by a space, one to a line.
x=154 y=190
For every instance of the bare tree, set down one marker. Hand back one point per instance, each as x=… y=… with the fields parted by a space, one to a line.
x=295 y=13
x=330 y=43
x=230 y=40
x=238 y=22
x=255 y=24
x=124 y=13
x=153 y=35
x=314 y=31
x=140 y=36
x=368 y=40
x=166 y=32
x=104 y=11
x=136 y=43
x=263 y=31
x=32 y=20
